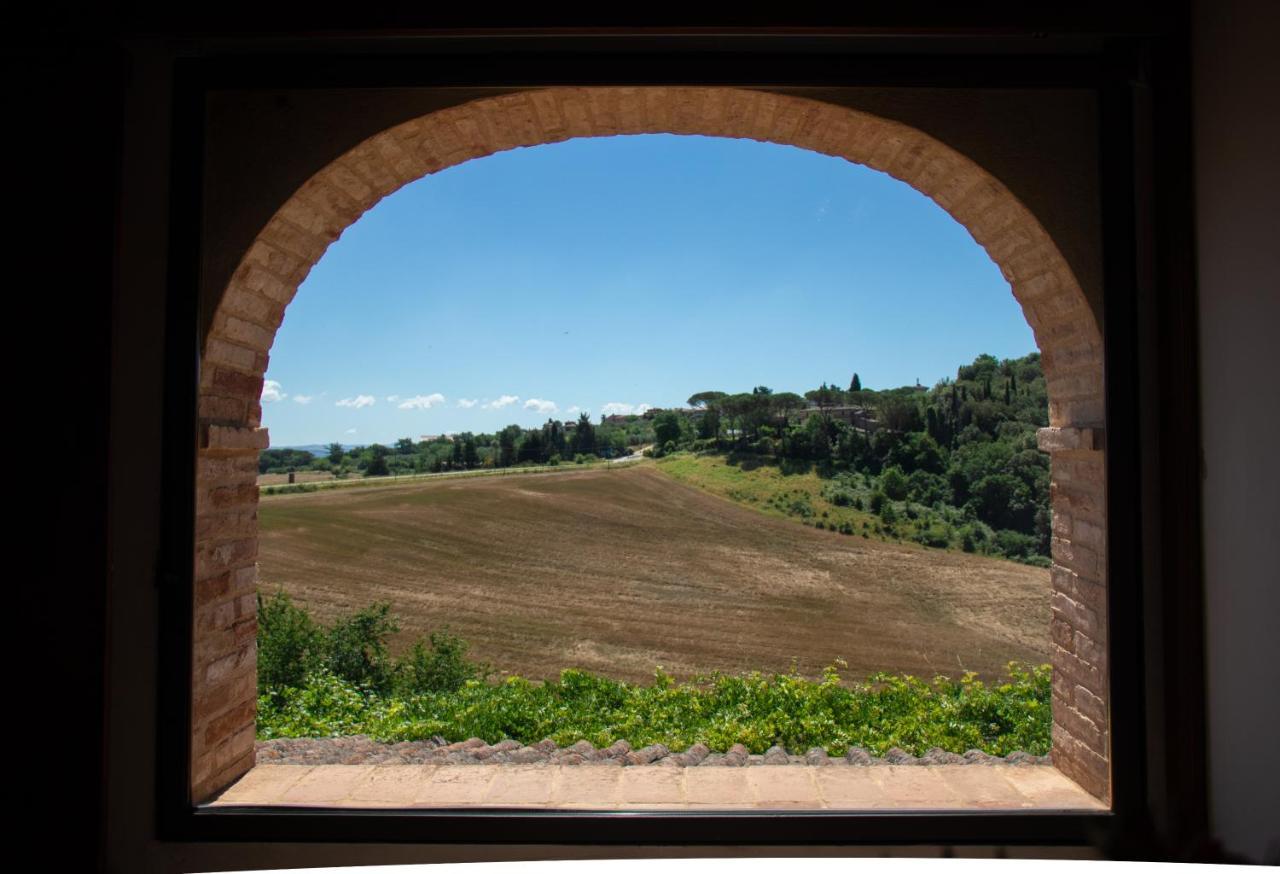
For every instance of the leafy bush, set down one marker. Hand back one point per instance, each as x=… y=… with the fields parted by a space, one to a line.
x=440 y=667
x=877 y=502
x=290 y=644
x=296 y=652
x=934 y=535
x=894 y=483
x=357 y=647
x=720 y=710
x=438 y=692
x=928 y=488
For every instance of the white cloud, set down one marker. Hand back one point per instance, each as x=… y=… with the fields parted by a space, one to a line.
x=303 y=399
x=574 y=410
x=618 y=409
x=504 y=401
x=391 y=399
x=351 y=430
x=357 y=402
x=271 y=392
x=467 y=403
x=422 y=402
x=540 y=405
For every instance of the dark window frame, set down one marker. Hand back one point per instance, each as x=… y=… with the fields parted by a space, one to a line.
x=1145 y=230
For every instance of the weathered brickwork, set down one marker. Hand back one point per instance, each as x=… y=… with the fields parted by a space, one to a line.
x=239 y=341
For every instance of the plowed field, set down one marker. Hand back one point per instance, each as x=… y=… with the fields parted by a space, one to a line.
x=617 y=571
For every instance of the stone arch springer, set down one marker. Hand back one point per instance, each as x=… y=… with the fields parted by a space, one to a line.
x=236 y=348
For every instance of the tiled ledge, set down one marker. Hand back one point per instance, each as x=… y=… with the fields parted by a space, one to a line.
x=548 y=786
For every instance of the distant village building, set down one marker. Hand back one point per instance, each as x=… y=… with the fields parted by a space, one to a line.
x=690 y=412
x=861 y=418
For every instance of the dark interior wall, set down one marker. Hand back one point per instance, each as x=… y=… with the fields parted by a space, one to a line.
x=260 y=148
x=1235 y=84
x=263 y=145
x=1236 y=140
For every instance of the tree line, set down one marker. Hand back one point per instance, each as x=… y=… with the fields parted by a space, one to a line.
x=555 y=442
x=967 y=444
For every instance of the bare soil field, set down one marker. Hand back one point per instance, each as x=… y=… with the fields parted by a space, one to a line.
x=619 y=570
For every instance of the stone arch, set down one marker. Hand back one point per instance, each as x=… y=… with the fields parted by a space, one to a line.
x=235 y=354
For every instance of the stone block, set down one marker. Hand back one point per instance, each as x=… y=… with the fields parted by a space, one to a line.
x=221 y=438
x=1070 y=439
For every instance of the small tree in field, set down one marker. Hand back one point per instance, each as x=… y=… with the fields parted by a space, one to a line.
x=290 y=644
x=357 y=647
x=666 y=428
x=442 y=667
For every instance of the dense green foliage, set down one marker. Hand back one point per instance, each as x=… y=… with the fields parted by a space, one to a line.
x=284 y=460
x=293 y=649
x=554 y=443
x=955 y=465
x=450 y=697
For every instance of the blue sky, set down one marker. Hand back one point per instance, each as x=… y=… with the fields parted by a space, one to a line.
x=609 y=274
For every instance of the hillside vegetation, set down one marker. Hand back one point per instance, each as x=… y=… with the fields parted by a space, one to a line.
x=952 y=466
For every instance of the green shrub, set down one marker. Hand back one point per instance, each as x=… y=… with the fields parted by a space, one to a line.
x=894 y=483
x=290 y=644
x=357 y=647
x=438 y=692
x=842 y=496
x=441 y=666
x=934 y=535
x=796 y=505
x=878 y=501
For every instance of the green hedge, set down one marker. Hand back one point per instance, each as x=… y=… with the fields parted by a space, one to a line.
x=435 y=691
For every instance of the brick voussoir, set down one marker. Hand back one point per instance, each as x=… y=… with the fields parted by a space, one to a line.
x=294 y=240
x=252 y=305
x=217 y=410
x=244 y=332
x=230 y=355
x=233 y=383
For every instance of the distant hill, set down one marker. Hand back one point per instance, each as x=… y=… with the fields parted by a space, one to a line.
x=318 y=449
